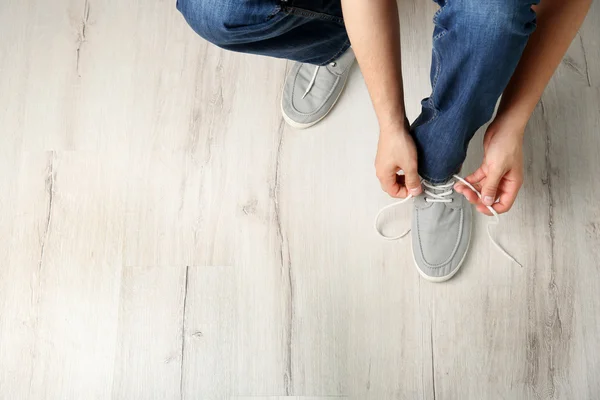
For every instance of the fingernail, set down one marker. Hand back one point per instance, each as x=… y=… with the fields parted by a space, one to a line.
x=415 y=191
x=488 y=200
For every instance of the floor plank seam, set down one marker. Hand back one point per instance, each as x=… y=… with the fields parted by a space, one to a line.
x=284 y=256
x=432 y=360
x=184 y=309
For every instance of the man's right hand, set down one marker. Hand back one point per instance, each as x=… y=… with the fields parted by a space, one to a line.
x=396 y=151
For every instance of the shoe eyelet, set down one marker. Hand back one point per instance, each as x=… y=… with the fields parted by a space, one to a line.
x=333 y=64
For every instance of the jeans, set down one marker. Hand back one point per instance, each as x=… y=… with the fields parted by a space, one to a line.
x=476 y=47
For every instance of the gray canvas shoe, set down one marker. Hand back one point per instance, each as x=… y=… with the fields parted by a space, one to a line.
x=310 y=91
x=441 y=231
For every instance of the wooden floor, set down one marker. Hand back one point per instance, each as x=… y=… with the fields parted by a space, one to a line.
x=164 y=235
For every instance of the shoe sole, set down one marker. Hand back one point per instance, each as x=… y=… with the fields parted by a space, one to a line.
x=440 y=279
x=300 y=125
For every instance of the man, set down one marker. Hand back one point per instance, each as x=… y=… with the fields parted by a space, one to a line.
x=481 y=49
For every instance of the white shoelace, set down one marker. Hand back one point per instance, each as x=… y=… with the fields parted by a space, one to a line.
x=314 y=78
x=443 y=198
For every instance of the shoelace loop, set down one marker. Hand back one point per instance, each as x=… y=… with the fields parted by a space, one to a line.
x=314 y=78
x=442 y=198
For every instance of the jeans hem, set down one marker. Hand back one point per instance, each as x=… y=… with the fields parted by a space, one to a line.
x=434 y=181
x=345 y=47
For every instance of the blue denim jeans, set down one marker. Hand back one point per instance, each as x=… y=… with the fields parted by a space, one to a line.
x=476 y=47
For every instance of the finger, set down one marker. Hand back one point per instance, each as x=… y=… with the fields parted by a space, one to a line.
x=507 y=199
x=394 y=190
x=484 y=210
x=476 y=176
x=389 y=184
x=471 y=196
x=461 y=188
x=502 y=208
x=412 y=180
x=490 y=186
x=400 y=180
x=402 y=193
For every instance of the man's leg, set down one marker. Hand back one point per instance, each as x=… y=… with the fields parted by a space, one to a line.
x=306 y=31
x=310 y=32
x=476 y=47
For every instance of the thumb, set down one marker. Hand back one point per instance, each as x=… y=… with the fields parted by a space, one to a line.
x=490 y=186
x=412 y=181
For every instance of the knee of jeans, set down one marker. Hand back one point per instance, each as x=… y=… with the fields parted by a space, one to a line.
x=208 y=18
x=497 y=19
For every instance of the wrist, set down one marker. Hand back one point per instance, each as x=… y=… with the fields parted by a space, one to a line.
x=513 y=116
x=513 y=124
x=393 y=125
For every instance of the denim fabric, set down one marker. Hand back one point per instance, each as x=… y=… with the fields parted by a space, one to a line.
x=308 y=31
x=476 y=47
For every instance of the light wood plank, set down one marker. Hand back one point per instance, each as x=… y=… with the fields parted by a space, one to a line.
x=589 y=42
x=240 y=221
x=572 y=274
x=525 y=318
x=25 y=217
x=79 y=279
x=209 y=335
x=148 y=362
x=164 y=213
x=354 y=315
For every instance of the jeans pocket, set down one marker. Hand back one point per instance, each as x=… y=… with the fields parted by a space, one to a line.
x=302 y=12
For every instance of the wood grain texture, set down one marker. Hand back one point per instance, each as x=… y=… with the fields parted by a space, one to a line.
x=164 y=235
x=210 y=333
x=24 y=216
x=150 y=338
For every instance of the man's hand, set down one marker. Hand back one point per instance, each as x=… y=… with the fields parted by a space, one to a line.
x=374 y=32
x=501 y=173
x=396 y=151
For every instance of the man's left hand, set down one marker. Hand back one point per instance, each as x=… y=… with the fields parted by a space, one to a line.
x=501 y=174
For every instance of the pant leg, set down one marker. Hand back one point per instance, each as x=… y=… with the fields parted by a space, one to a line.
x=308 y=31
x=476 y=47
